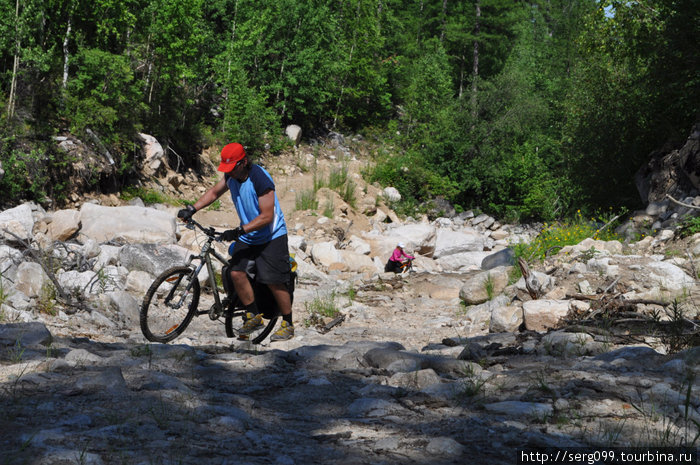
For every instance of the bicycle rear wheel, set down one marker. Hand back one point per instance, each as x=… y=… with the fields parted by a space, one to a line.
x=169 y=304
x=236 y=318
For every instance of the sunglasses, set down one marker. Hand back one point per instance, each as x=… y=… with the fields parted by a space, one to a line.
x=239 y=163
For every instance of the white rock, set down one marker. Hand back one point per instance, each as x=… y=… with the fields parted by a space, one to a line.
x=129 y=224
x=293 y=132
x=325 y=253
x=450 y=242
x=30 y=279
x=64 y=223
x=541 y=315
x=19 y=221
x=391 y=194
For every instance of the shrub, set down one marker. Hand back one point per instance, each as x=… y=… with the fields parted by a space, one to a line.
x=306 y=200
x=556 y=235
x=689 y=226
x=320 y=307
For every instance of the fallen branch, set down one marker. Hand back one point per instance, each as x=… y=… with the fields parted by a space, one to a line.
x=531 y=282
x=682 y=204
x=608 y=224
x=601 y=297
x=62 y=295
x=336 y=321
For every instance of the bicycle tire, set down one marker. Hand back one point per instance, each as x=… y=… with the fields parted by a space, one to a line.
x=235 y=319
x=236 y=316
x=160 y=320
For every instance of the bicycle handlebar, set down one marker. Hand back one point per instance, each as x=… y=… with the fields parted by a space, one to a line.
x=211 y=232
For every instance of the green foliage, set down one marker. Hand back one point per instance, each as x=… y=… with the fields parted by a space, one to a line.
x=337 y=177
x=556 y=235
x=46 y=302
x=4 y=294
x=339 y=181
x=306 y=200
x=102 y=94
x=149 y=196
x=34 y=174
x=689 y=227
x=347 y=192
x=246 y=117
x=624 y=102
x=321 y=307
x=411 y=175
x=328 y=208
x=559 y=112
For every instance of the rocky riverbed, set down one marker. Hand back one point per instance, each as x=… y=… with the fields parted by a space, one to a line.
x=427 y=368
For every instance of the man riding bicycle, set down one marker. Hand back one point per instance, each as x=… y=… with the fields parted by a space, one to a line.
x=395 y=262
x=260 y=238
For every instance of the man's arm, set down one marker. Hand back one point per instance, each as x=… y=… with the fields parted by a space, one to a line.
x=211 y=195
x=266 y=202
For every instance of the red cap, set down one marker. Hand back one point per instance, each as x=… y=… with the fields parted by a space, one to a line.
x=230 y=155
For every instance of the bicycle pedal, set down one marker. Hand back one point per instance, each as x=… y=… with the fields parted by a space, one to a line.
x=215 y=313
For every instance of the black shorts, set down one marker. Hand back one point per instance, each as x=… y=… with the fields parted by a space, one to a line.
x=392 y=266
x=271 y=260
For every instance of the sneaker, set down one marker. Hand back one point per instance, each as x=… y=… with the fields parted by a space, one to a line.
x=252 y=323
x=285 y=332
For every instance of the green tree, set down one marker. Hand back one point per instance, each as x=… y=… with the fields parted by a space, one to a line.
x=620 y=107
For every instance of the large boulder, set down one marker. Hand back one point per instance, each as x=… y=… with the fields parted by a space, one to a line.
x=675 y=172
x=130 y=224
x=293 y=132
x=482 y=286
x=17 y=221
x=507 y=318
x=450 y=242
x=417 y=237
x=357 y=262
x=504 y=257
x=669 y=277
x=462 y=262
x=10 y=258
x=30 y=279
x=542 y=315
x=152 y=258
x=325 y=254
x=587 y=245
x=391 y=194
x=64 y=223
x=154 y=163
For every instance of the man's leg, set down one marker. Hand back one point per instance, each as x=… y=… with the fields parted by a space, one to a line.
x=284 y=302
x=245 y=293
x=243 y=287
x=281 y=294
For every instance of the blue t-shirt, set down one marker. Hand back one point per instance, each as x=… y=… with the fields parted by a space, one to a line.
x=245 y=197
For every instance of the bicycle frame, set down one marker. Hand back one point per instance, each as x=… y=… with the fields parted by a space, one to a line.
x=407 y=266
x=204 y=258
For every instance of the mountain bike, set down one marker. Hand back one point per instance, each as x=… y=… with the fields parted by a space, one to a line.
x=400 y=267
x=407 y=266
x=172 y=300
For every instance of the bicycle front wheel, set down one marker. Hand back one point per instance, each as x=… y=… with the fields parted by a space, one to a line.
x=169 y=304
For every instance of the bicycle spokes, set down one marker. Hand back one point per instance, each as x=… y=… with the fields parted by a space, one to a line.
x=170 y=304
